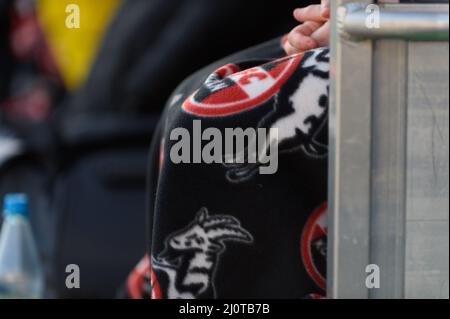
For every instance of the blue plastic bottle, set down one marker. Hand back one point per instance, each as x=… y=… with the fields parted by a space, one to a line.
x=21 y=273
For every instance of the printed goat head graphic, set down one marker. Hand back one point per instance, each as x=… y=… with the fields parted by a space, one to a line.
x=208 y=233
x=191 y=255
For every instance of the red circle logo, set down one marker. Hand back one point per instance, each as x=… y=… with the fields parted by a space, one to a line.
x=314 y=246
x=230 y=91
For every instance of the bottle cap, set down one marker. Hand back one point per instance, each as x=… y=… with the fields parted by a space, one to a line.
x=15 y=204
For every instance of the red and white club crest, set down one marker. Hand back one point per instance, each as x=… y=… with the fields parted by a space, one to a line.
x=228 y=91
x=314 y=246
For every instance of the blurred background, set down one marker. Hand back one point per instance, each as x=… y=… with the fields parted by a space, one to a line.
x=78 y=107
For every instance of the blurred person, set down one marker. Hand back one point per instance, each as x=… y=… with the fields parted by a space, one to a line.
x=30 y=81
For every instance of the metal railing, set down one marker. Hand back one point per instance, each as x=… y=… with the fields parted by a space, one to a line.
x=427 y=22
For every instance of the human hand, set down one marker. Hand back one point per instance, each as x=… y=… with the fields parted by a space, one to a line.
x=313 y=32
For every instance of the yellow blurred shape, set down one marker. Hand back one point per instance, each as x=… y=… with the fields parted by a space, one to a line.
x=75 y=49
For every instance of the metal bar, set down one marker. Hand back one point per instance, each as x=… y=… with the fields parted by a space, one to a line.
x=389 y=113
x=349 y=165
x=425 y=22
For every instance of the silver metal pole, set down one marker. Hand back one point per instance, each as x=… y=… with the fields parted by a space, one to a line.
x=427 y=22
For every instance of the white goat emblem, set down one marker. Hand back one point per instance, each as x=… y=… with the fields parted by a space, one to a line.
x=191 y=255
